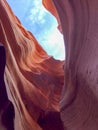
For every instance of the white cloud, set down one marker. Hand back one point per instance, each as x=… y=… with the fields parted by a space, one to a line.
x=56 y=39
x=54 y=44
x=37 y=12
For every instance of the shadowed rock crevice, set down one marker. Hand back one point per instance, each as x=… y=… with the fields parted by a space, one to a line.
x=51 y=121
x=6 y=107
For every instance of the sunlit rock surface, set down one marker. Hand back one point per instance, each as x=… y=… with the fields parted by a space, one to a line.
x=33 y=79
x=79 y=102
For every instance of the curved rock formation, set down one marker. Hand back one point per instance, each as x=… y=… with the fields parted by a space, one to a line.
x=33 y=79
x=30 y=76
x=79 y=101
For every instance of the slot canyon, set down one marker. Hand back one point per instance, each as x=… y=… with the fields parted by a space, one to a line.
x=39 y=92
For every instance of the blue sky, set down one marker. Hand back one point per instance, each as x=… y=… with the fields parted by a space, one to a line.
x=41 y=23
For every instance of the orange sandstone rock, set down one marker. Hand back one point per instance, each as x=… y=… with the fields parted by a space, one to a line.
x=33 y=79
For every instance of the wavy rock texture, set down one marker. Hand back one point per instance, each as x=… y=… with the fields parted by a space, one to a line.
x=30 y=75
x=79 y=102
x=33 y=79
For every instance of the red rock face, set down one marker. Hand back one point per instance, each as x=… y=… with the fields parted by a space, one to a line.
x=33 y=79
x=79 y=103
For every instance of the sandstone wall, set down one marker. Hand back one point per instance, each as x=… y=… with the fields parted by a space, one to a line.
x=33 y=79
x=79 y=103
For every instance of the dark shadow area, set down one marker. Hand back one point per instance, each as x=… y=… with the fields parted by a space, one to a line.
x=6 y=107
x=51 y=121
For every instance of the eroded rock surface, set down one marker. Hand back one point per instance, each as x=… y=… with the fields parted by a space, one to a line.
x=79 y=103
x=33 y=79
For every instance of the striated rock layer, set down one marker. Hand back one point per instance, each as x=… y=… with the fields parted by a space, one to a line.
x=79 y=101
x=33 y=79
